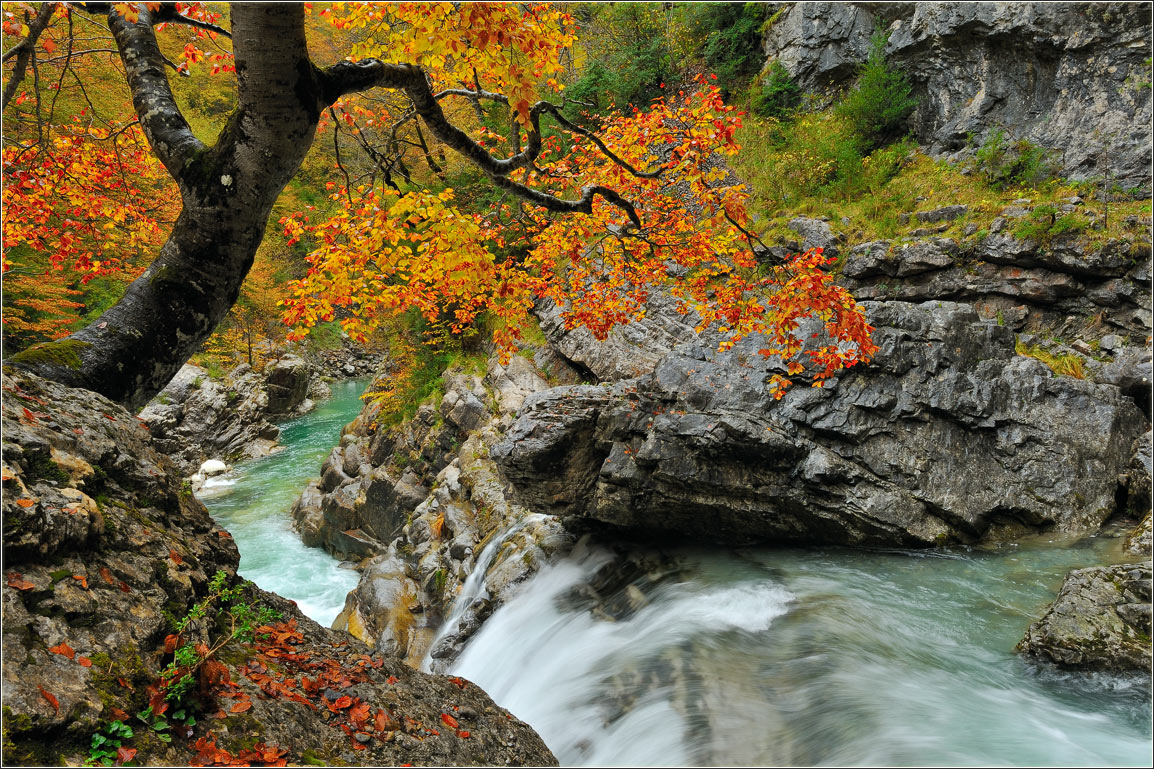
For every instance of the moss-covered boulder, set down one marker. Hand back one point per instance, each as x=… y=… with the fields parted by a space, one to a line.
x=1099 y=621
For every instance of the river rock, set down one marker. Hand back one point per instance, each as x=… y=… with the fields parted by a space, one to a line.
x=1070 y=77
x=1099 y=621
x=947 y=436
x=1138 y=541
x=100 y=561
x=213 y=467
x=196 y=417
x=287 y=384
x=429 y=499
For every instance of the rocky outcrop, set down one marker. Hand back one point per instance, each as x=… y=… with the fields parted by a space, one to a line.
x=947 y=436
x=1100 y=621
x=1069 y=288
x=104 y=549
x=1072 y=77
x=196 y=417
x=629 y=351
x=423 y=504
x=286 y=382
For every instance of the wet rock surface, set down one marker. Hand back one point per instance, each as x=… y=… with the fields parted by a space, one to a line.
x=419 y=504
x=1066 y=76
x=1099 y=621
x=946 y=437
x=196 y=417
x=104 y=548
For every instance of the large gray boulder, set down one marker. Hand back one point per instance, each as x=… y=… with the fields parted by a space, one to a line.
x=1072 y=77
x=948 y=436
x=1099 y=621
x=196 y=417
x=287 y=383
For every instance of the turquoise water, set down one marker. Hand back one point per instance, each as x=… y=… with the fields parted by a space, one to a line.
x=810 y=657
x=253 y=501
x=761 y=656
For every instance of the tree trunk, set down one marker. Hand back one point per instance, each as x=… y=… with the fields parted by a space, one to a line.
x=132 y=351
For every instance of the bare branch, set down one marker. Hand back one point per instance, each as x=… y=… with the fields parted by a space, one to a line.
x=169 y=15
x=25 y=49
x=351 y=77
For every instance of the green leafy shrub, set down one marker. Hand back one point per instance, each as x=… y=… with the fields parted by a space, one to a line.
x=732 y=48
x=629 y=58
x=881 y=100
x=777 y=94
x=105 y=744
x=1003 y=162
x=1043 y=224
x=239 y=618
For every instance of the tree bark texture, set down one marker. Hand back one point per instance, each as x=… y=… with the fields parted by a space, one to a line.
x=131 y=351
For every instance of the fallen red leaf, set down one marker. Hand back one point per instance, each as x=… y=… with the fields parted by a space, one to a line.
x=109 y=416
x=449 y=720
x=106 y=575
x=29 y=415
x=175 y=556
x=125 y=683
x=124 y=755
x=392 y=679
x=16 y=580
x=64 y=649
x=25 y=502
x=240 y=707
x=84 y=662
x=81 y=579
x=124 y=586
x=462 y=734
x=118 y=714
x=48 y=696
x=170 y=642
x=343 y=702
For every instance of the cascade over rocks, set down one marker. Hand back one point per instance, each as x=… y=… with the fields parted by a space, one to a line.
x=103 y=547
x=946 y=437
x=1072 y=77
x=420 y=502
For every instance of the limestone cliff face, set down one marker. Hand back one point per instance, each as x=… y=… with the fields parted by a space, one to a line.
x=946 y=436
x=1072 y=77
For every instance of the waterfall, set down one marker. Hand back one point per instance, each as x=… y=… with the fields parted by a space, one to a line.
x=474 y=587
x=800 y=657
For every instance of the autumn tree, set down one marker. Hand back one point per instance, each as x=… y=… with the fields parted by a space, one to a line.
x=612 y=212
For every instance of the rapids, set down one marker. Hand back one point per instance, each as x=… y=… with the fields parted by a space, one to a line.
x=758 y=656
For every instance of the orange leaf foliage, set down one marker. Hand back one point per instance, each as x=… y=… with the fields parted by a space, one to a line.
x=384 y=253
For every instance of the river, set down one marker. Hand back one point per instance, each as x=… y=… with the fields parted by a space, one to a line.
x=758 y=656
x=253 y=501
